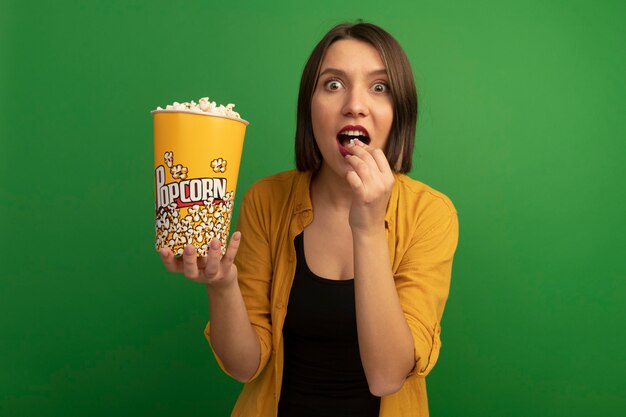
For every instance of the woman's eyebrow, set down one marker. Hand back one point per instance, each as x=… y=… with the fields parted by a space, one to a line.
x=342 y=73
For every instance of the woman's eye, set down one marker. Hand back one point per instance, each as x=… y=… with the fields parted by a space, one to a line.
x=333 y=85
x=380 y=87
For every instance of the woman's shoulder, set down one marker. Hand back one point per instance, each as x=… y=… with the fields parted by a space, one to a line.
x=278 y=187
x=421 y=194
x=422 y=205
x=279 y=182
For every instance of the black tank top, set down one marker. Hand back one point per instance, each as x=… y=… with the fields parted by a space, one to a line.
x=322 y=375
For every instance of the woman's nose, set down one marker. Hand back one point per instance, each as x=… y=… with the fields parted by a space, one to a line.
x=355 y=103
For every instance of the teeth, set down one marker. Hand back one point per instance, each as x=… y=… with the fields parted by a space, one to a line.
x=354 y=133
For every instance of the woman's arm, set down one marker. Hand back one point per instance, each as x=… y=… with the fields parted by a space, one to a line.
x=238 y=288
x=232 y=337
x=385 y=340
x=421 y=282
x=246 y=302
x=398 y=312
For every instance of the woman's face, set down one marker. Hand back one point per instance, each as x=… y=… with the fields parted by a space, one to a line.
x=351 y=100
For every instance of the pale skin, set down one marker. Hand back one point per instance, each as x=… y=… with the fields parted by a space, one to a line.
x=349 y=195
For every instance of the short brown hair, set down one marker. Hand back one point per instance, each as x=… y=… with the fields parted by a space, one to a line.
x=399 y=146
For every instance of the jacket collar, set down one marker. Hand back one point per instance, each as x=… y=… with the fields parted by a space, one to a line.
x=302 y=198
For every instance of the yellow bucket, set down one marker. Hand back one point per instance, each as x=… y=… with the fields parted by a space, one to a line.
x=196 y=165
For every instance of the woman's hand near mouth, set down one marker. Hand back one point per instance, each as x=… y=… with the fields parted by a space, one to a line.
x=371 y=180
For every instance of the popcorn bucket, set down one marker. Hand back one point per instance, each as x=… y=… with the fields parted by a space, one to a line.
x=196 y=165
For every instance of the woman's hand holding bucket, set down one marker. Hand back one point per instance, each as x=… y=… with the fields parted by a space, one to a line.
x=214 y=270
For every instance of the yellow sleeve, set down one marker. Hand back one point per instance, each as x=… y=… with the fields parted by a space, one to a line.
x=423 y=281
x=254 y=272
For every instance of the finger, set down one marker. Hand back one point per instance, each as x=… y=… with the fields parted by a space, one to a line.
x=362 y=169
x=369 y=182
x=364 y=152
x=356 y=147
x=378 y=163
x=190 y=262
x=370 y=149
x=169 y=261
x=213 y=259
x=355 y=183
x=202 y=262
x=381 y=161
x=231 y=251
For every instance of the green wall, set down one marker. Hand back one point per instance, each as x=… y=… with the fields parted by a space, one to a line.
x=521 y=125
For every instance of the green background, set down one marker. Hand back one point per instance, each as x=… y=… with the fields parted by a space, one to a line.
x=521 y=124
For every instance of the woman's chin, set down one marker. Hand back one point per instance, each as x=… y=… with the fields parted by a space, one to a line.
x=339 y=168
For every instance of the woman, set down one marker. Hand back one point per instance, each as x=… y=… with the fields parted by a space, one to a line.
x=329 y=297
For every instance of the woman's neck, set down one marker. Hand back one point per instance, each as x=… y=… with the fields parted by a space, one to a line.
x=330 y=189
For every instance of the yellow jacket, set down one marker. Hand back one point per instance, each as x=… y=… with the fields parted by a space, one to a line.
x=422 y=234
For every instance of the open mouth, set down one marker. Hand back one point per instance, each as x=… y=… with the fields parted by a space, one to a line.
x=350 y=132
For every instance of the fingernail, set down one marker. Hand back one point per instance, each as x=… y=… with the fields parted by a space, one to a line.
x=237 y=235
x=189 y=250
x=351 y=144
x=215 y=244
x=358 y=142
